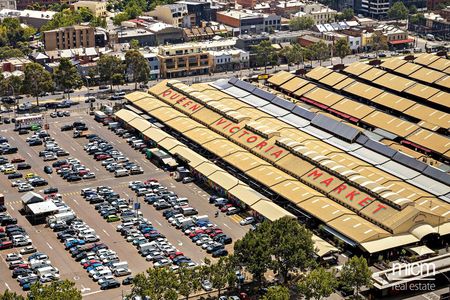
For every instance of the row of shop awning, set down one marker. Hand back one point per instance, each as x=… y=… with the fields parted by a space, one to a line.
x=218 y=176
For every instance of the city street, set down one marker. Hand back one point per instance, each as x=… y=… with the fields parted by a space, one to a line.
x=44 y=239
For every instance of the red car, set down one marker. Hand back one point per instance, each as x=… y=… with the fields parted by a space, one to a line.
x=172 y=256
x=2 y=229
x=6 y=245
x=83 y=172
x=216 y=233
x=91 y=262
x=225 y=207
x=103 y=156
x=150 y=180
x=23 y=266
x=17 y=160
x=196 y=232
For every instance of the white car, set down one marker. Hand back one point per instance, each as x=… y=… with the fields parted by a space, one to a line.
x=162 y=263
x=48 y=157
x=121 y=272
x=25 y=188
x=90 y=238
x=247 y=221
x=13 y=256
x=49 y=277
x=206 y=285
x=104 y=279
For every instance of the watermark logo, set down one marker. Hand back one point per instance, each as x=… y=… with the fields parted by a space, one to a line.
x=418 y=271
x=418 y=276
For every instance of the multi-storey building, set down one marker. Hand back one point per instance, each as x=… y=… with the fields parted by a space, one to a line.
x=183 y=60
x=174 y=14
x=247 y=22
x=75 y=36
x=7 y=4
x=98 y=8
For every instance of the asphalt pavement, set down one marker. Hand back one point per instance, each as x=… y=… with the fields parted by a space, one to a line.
x=44 y=239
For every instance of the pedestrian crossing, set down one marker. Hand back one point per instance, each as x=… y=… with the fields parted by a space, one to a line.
x=236 y=218
x=70 y=194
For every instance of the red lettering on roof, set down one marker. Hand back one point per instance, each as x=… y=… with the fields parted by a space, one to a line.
x=261 y=145
x=174 y=96
x=221 y=121
x=234 y=129
x=244 y=132
x=167 y=93
x=340 y=188
x=352 y=195
x=195 y=107
x=365 y=201
x=315 y=173
x=328 y=181
x=277 y=154
x=380 y=207
x=252 y=139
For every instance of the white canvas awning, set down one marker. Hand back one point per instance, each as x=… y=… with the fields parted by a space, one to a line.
x=420 y=250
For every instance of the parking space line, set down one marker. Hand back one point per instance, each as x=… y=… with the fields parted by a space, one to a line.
x=158 y=223
x=29 y=154
x=224 y=224
x=7 y=286
x=12 y=138
x=105 y=232
x=11 y=207
x=91 y=293
x=51 y=248
x=74 y=200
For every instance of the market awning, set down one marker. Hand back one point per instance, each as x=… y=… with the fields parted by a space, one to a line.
x=420 y=250
x=246 y=194
x=322 y=247
x=270 y=210
x=42 y=207
x=407 y=41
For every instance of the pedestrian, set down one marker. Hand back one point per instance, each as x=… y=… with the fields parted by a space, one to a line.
x=217 y=214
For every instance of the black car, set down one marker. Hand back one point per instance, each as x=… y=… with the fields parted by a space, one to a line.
x=39 y=182
x=20 y=271
x=67 y=127
x=23 y=131
x=48 y=170
x=110 y=284
x=35 y=143
x=7 y=220
x=62 y=153
x=59 y=163
x=50 y=190
x=23 y=166
x=15 y=175
x=2 y=208
x=60 y=114
x=3 y=160
x=128 y=280
x=10 y=150
x=220 y=252
x=73 y=178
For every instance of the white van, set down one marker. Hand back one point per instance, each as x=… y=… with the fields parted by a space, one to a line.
x=188 y=211
x=120 y=265
x=121 y=173
x=47 y=270
x=102 y=273
x=200 y=218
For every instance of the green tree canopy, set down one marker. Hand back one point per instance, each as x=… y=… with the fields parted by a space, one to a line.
x=66 y=17
x=57 y=290
x=137 y=67
x=277 y=292
x=66 y=76
x=12 y=33
x=110 y=69
x=8 y=52
x=356 y=274
x=318 y=284
x=156 y=283
x=265 y=54
x=223 y=273
x=37 y=80
x=282 y=246
x=398 y=11
x=346 y=15
x=134 y=44
x=301 y=23
x=342 y=49
x=379 y=42
x=7 y=295
x=320 y=51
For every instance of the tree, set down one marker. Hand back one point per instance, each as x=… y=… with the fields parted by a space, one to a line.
x=301 y=23
x=346 y=15
x=57 y=290
x=66 y=17
x=342 y=49
x=158 y=283
x=37 y=80
x=119 y=18
x=265 y=54
x=137 y=67
x=15 y=83
x=355 y=274
x=379 y=42
x=7 y=295
x=134 y=44
x=8 y=52
x=318 y=284
x=320 y=51
x=398 y=11
x=294 y=54
x=66 y=76
x=222 y=273
x=188 y=281
x=110 y=69
x=253 y=253
x=291 y=246
x=133 y=10
x=277 y=292
x=412 y=10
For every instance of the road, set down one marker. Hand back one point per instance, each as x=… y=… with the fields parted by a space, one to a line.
x=45 y=239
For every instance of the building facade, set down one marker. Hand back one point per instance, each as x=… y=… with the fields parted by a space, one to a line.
x=98 y=8
x=183 y=60
x=248 y=22
x=8 y=4
x=173 y=14
x=75 y=36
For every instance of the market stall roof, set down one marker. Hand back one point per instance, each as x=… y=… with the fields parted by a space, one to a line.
x=333 y=78
x=394 y=82
x=294 y=84
x=223 y=179
x=140 y=124
x=420 y=250
x=393 y=63
x=268 y=175
x=304 y=89
x=322 y=247
x=357 y=68
x=202 y=135
x=393 y=101
x=246 y=194
x=126 y=115
x=389 y=242
x=150 y=103
x=245 y=161
x=324 y=209
x=318 y=72
x=363 y=90
x=183 y=124
x=427 y=75
x=44 y=207
x=353 y=108
x=372 y=74
x=169 y=143
x=343 y=83
x=444 y=82
x=323 y=96
x=390 y=123
x=136 y=96
x=280 y=78
x=426 y=59
x=431 y=140
x=357 y=228
x=270 y=210
x=156 y=134
x=440 y=64
x=188 y=155
x=295 y=191
x=442 y=98
x=430 y=115
x=408 y=68
x=422 y=91
x=31 y=197
x=207 y=168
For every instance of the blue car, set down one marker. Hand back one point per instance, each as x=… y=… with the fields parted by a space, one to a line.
x=26 y=287
x=70 y=244
x=91 y=267
x=147 y=229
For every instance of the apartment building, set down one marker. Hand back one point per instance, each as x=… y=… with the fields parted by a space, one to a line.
x=320 y=13
x=98 y=8
x=8 y=4
x=229 y=60
x=249 y=22
x=70 y=37
x=188 y=59
x=174 y=14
